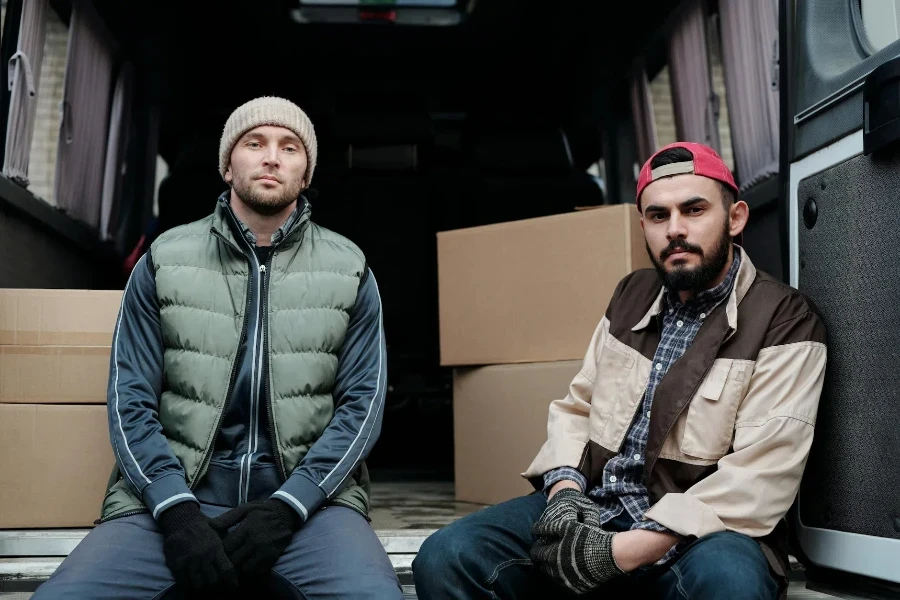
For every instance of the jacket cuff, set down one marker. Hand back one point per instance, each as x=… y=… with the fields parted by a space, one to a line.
x=555 y=453
x=166 y=492
x=301 y=494
x=685 y=515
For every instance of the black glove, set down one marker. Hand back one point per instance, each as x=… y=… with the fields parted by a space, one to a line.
x=194 y=551
x=264 y=529
x=576 y=555
x=571 y=505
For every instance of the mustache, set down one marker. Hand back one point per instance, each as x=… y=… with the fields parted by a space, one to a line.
x=679 y=244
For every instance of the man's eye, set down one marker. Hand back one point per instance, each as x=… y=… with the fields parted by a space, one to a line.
x=290 y=149
x=253 y=144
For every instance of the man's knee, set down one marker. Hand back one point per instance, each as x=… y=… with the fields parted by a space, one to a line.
x=443 y=553
x=727 y=565
x=437 y=553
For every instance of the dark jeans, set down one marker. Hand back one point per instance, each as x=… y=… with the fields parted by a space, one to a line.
x=486 y=555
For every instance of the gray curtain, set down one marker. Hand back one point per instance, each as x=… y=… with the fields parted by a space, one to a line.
x=642 y=115
x=116 y=145
x=81 y=162
x=693 y=98
x=24 y=75
x=749 y=46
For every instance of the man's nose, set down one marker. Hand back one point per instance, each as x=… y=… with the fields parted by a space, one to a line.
x=677 y=228
x=271 y=157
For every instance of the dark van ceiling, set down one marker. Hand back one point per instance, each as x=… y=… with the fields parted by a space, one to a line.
x=509 y=59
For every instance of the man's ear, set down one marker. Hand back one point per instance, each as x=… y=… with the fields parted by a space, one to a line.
x=740 y=214
x=228 y=175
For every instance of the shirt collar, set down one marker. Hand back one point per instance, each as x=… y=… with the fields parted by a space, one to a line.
x=713 y=296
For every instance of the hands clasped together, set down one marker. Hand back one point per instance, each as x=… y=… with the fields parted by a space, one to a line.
x=218 y=554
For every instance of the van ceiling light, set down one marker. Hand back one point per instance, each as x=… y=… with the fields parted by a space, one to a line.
x=386 y=16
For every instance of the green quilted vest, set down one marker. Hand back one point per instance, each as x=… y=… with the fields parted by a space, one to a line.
x=202 y=282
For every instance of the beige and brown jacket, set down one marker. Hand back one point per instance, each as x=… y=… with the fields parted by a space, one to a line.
x=731 y=423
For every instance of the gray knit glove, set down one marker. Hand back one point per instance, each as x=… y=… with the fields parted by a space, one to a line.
x=575 y=555
x=571 y=505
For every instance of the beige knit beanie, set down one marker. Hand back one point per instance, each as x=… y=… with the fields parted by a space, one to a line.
x=268 y=110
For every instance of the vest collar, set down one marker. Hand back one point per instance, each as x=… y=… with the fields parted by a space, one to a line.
x=226 y=224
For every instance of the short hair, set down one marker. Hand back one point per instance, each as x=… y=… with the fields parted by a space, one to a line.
x=678 y=155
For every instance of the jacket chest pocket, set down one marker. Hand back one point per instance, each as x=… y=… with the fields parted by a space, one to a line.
x=709 y=423
x=613 y=371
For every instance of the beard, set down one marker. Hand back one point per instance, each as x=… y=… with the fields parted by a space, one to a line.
x=263 y=201
x=693 y=279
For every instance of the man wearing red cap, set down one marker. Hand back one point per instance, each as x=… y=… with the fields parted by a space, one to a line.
x=679 y=448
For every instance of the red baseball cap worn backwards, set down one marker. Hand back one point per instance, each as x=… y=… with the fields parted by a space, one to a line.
x=706 y=163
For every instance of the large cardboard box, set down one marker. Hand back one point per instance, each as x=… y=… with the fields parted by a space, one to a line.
x=54 y=374
x=533 y=290
x=500 y=422
x=32 y=317
x=55 y=465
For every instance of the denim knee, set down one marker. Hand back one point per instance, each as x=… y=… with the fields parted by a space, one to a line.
x=727 y=565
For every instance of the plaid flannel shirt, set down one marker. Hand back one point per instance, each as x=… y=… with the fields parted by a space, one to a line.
x=622 y=487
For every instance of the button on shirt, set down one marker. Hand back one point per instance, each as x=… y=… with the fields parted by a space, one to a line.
x=622 y=486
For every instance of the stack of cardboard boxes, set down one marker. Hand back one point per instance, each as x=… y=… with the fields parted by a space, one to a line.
x=519 y=302
x=55 y=453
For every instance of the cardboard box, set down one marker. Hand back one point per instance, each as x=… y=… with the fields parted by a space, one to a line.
x=500 y=422
x=54 y=374
x=55 y=466
x=58 y=317
x=533 y=290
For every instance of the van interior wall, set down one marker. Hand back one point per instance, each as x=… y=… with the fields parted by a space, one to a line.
x=420 y=129
x=33 y=255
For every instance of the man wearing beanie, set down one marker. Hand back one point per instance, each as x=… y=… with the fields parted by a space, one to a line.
x=671 y=462
x=246 y=389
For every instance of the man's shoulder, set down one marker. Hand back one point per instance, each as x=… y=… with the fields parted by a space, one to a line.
x=320 y=234
x=783 y=302
x=197 y=230
x=632 y=299
x=177 y=243
x=635 y=292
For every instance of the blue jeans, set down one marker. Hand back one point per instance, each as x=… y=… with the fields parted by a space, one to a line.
x=336 y=554
x=486 y=555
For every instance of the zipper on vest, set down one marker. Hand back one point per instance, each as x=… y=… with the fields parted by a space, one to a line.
x=130 y=513
x=253 y=433
x=257 y=368
x=267 y=399
x=205 y=462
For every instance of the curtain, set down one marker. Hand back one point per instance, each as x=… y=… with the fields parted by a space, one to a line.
x=642 y=115
x=116 y=145
x=81 y=162
x=749 y=48
x=23 y=74
x=693 y=98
